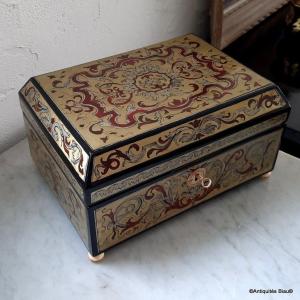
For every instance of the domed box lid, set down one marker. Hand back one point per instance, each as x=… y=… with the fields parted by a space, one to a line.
x=122 y=112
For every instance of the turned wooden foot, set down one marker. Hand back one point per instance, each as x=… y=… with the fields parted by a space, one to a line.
x=267 y=175
x=96 y=258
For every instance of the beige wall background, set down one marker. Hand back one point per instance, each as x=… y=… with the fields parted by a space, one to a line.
x=38 y=36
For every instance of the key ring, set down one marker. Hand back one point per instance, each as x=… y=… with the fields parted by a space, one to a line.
x=197 y=177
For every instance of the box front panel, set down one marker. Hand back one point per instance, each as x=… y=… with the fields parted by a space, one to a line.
x=156 y=202
x=137 y=178
x=57 y=181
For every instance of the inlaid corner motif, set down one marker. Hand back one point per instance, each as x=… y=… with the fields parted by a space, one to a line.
x=60 y=134
x=119 y=97
x=157 y=202
x=136 y=153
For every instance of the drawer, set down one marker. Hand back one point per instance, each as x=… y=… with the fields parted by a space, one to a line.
x=119 y=219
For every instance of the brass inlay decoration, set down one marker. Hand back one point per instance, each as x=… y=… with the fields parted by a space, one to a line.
x=159 y=201
x=60 y=134
x=180 y=161
x=57 y=181
x=169 y=140
x=51 y=150
x=123 y=96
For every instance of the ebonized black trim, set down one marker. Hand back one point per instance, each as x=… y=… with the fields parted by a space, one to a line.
x=92 y=231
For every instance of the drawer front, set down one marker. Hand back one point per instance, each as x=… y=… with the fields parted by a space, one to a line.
x=156 y=202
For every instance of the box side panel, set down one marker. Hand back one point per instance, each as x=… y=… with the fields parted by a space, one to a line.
x=125 y=217
x=67 y=196
x=135 y=179
x=152 y=147
x=29 y=118
x=66 y=142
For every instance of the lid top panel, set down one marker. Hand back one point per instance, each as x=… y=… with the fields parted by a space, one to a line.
x=122 y=96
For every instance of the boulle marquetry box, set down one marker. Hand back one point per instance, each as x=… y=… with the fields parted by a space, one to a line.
x=131 y=140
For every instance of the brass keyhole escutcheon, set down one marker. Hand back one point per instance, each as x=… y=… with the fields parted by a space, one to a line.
x=197 y=177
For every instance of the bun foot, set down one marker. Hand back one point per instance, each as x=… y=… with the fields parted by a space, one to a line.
x=267 y=175
x=96 y=258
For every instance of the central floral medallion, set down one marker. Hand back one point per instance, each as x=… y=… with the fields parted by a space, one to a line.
x=152 y=81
